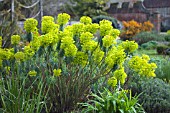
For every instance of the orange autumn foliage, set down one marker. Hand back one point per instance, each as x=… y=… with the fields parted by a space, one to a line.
x=131 y=28
x=147 y=26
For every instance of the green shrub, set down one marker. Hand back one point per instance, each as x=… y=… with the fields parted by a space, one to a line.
x=149 y=45
x=97 y=19
x=162 y=49
x=145 y=37
x=163 y=70
x=109 y=102
x=154 y=96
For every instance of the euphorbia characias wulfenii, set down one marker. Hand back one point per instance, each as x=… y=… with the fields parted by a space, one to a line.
x=63 y=47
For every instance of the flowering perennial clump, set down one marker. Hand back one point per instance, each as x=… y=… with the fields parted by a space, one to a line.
x=61 y=48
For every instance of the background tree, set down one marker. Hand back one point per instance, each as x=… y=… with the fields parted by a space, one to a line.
x=86 y=7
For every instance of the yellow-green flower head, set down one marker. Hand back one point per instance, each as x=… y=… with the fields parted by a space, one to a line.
x=63 y=18
x=47 y=19
x=92 y=28
x=19 y=56
x=3 y=54
x=89 y=46
x=15 y=39
x=57 y=72
x=36 y=34
x=56 y=27
x=47 y=24
x=98 y=55
x=70 y=51
x=145 y=57
x=112 y=81
x=105 y=27
x=35 y=44
x=81 y=58
x=66 y=41
x=61 y=34
x=46 y=39
x=6 y=54
x=78 y=28
x=29 y=52
x=11 y=53
x=85 y=37
x=32 y=73
x=115 y=56
x=142 y=66
x=108 y=41
x=69 y=28
x=129 y=46
x=30 y=25
x=0 y=41
x=55 y=38
x=114 y=32
x=85 y=20
x=68 y=32
x=120 y=75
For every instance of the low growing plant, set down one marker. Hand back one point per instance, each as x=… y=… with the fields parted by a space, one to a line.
x=154 y=96
x=112 y=102
x=162 y=49
x=16 y=96
x=163 y=71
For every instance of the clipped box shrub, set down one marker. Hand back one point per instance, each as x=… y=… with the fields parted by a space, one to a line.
x=145 y=37
x=162 y=49
x=150 y=45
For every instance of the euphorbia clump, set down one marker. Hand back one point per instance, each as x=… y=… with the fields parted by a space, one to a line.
x=74 y=55
x=81 y=46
